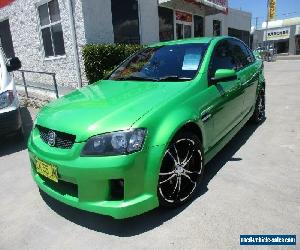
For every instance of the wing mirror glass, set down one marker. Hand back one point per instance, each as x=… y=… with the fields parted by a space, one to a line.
x=13 y=64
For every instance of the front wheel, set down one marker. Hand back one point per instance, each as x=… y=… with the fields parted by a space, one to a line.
x=181 y=170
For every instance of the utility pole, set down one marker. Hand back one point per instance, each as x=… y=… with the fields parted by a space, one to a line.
x=256 y=22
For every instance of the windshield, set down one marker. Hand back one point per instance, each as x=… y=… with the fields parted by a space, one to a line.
x=165 y=63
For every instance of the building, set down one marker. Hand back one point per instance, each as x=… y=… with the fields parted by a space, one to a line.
x=236 y=23
x=178 y=19
x=48 y=35
x=283 y=35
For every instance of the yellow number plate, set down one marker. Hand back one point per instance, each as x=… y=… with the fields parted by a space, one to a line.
x=46 y=170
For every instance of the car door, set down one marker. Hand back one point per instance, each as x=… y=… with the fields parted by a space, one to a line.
x=247 y=71
x=226 y=96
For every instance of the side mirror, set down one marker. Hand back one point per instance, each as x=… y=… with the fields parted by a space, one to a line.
x=13 y=64
x=224 y=75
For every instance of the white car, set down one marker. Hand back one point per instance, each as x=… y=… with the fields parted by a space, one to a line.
x=10 y=118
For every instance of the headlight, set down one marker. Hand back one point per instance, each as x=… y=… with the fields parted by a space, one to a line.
x=116 y=143
x=6 y=99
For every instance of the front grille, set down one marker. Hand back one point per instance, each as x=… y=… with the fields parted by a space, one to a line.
x=62 y=187
x=60 y=140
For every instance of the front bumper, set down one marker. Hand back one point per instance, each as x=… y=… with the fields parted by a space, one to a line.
x=84 y=182
x=10 y=121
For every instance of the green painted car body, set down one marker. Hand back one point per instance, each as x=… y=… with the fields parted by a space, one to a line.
x=214 y=111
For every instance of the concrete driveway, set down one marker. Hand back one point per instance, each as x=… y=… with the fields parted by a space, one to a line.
x=251 y=187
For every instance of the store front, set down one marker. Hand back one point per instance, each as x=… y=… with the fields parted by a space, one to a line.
x=43 y=40
x=279 y=38
x=284 y=35
x=184 y=23
x=180 y=19
x=282 y=46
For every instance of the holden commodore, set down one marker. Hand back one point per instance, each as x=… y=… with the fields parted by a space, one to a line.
x=141 y=137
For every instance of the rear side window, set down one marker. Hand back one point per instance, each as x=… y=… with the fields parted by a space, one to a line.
x=241 y=54
x=251 y=56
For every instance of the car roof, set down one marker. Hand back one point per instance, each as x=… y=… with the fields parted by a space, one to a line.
x=189 y=40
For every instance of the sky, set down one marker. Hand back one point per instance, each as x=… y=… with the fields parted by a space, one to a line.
x=258 y=8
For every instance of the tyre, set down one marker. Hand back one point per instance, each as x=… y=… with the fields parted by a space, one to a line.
x=259 y=114
x=181 y=170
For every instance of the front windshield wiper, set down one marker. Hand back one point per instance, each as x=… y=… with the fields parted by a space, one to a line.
x=160 y=79
x=136 y=78
x=173 y=78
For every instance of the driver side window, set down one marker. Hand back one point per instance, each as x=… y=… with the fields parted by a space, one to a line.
x=222 y=58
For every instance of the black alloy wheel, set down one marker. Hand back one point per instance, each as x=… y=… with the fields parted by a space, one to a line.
x=259 y=114
x=181 y=170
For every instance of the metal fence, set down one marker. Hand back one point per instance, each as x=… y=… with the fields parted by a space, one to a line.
x=26 y=85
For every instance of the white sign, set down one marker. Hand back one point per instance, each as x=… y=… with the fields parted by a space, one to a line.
x=277 y=34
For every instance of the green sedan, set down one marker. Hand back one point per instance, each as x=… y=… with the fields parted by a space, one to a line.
x=141 y=137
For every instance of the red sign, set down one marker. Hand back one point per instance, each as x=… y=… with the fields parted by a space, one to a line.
x=183 y=16
x=5 y=2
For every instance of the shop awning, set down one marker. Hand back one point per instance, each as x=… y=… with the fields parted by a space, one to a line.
x=212 y=5
x=221 y=5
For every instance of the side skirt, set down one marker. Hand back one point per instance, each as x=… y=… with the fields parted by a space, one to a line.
x=215 y=149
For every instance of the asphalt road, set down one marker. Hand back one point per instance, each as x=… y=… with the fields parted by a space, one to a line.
x=251 y=187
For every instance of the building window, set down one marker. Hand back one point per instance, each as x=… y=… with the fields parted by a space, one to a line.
x=125 y=19
x=216 y=28
x=198 y=26
x=51 y=30
x=166 y=24
x=240 y=34
x=6 y=39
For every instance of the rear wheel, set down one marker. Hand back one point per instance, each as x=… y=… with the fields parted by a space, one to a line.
x=181 y=170
x=259 y=112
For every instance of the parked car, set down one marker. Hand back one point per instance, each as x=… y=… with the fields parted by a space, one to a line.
x=10 y=118
x=142 y=137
